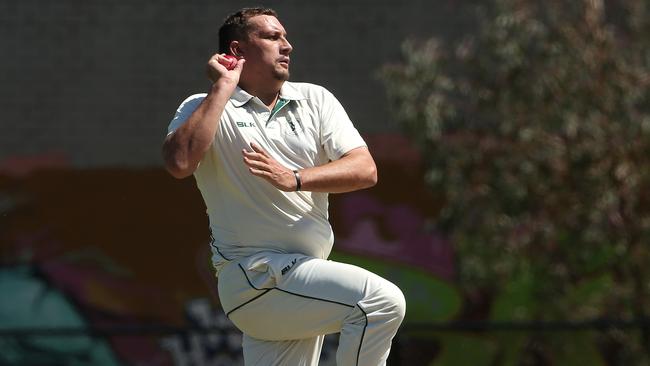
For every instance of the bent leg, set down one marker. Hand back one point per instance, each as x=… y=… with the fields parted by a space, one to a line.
x=293 y=297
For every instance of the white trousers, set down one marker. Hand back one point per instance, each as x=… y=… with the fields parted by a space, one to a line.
x=285 y=304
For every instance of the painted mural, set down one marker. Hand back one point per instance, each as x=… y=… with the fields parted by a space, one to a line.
x=89 y=256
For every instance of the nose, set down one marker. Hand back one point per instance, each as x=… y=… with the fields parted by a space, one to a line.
x=286 y=47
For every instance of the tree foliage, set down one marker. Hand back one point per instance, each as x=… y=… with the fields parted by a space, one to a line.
x=536 y=131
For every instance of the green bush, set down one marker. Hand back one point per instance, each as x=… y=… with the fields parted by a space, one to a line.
x=535 y=128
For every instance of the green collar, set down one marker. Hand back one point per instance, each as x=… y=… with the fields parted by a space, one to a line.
x=278 y=105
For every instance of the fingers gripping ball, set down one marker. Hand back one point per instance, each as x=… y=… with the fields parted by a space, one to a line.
x=229 y=61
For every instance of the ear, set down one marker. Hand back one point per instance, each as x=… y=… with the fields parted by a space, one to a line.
x=235 y=49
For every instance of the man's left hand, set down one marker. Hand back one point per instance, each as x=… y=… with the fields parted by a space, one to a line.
x=262 y=165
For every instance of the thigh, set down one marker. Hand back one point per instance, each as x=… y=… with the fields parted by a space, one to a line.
x=294 y=297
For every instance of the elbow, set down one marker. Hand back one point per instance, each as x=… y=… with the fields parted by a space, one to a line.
x=176 y=167
x=177 y=172
x=370 y=177
x=374 y=177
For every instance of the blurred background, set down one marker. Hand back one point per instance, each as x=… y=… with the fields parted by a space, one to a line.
x=512 y=139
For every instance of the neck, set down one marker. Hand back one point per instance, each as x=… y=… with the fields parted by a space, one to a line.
x=268 y=93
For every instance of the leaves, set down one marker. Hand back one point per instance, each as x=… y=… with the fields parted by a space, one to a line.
x=535 y=131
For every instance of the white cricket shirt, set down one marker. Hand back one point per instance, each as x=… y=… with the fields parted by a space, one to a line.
x=308 y=127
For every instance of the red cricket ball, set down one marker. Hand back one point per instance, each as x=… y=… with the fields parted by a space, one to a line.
x=230 y=62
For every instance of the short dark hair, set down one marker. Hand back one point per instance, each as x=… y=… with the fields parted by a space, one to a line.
x=236 y=27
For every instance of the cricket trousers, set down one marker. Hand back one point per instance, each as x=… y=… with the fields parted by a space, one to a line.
x=286 y=303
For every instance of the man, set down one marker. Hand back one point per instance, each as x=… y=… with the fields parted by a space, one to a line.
x=265 y=153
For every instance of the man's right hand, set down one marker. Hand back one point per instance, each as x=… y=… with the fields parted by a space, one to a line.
x=218 y=72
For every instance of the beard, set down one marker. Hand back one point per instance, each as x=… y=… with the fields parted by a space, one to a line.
x=281 y=75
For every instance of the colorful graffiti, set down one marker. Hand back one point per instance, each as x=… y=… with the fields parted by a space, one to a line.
x=214 y=348
x=93 y=248
x=30 y=301
x=217 y=348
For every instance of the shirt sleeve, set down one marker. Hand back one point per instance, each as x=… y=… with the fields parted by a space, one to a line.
x=338 y=134
x=184 y=111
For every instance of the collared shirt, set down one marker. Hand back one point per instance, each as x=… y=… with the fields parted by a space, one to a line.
x=307 y=128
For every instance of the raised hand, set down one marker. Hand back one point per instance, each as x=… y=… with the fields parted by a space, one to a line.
x=216 y=68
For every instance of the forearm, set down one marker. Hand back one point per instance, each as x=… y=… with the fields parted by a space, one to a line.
x=354 y=171
x=184 y=149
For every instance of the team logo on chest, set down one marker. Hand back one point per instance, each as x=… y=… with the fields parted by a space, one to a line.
x=294 y=125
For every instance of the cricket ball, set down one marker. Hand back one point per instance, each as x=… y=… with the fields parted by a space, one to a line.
x=230 y=62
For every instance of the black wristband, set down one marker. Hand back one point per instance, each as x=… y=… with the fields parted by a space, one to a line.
x=298 y=181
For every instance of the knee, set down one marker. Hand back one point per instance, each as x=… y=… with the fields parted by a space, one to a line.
x=394 y=303
x=398 y=304
x=384 y=302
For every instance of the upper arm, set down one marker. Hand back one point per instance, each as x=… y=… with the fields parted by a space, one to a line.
x=338 y=134
x=360 y=153
x=174 y=163
x=184 y=111
x=360 y=161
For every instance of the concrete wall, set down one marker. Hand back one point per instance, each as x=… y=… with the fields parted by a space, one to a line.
x=96 y=82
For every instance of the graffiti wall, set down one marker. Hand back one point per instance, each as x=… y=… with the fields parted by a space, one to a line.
x=111 y=266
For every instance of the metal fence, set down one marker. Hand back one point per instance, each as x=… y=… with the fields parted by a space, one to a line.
x=401 y=348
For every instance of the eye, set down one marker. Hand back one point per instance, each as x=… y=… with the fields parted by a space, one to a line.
x=274 y=36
